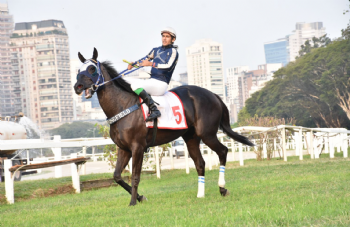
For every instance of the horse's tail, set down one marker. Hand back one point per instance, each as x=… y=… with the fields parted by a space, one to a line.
x=226 y=128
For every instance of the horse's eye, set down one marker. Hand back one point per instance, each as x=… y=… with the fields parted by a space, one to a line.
x=92 y=69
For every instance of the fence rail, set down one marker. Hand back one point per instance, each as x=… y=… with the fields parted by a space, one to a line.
x=311 y=139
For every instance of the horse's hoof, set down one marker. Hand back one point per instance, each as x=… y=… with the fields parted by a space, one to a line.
x=227 y=193
x=132 y=204
x=143 y=199
x=224 y=192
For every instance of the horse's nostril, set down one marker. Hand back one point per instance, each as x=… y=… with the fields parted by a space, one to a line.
x=80 y=86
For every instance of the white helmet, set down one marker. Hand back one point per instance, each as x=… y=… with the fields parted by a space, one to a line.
x=169 y=30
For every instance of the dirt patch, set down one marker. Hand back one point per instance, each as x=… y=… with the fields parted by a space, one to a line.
x=3 y=199
x=41 y=193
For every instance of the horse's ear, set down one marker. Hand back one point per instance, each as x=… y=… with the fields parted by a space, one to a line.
x=82 y=59
x=95 y=55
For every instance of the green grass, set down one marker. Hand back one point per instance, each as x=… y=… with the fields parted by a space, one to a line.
x=266 y=193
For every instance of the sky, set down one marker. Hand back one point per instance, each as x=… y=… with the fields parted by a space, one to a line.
x=130 y=29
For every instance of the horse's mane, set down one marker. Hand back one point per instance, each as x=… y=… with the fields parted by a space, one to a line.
x=120 y=82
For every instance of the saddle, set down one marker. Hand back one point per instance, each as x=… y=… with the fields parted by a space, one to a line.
x=172 y=112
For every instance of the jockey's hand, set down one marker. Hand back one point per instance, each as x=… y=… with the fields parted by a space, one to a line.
x=130 y=66
x=146 y=63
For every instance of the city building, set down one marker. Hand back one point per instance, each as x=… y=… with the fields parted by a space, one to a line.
x=205 y=66
x=184 y=78
x=242 y=83
x=287 y=49
x=7 y=84
x=302 y=33
x=40 y=56
x=276 y=51
x=233 y=76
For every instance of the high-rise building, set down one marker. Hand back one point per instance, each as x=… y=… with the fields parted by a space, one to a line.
x=233 y=75
x=276 y=51
x=232 y=81
x=40 y=53
x=6 y=82
x=303 y=31
x=242 y=83
x=205 y=66
x=287 y=49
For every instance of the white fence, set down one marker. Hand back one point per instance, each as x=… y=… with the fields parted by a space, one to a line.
x=327 y=139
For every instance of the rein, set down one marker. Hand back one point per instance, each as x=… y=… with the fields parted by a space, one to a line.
x=99 y=83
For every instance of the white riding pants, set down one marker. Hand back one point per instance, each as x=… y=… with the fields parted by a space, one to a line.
x=151 y=86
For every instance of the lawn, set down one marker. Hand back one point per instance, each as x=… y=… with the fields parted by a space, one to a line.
x=266 y=193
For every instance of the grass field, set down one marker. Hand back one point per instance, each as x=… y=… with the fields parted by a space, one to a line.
x=266 y=193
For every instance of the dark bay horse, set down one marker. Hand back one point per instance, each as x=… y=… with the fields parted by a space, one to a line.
x=205 y=113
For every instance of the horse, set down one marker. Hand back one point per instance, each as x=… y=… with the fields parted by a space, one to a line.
x=205 y=113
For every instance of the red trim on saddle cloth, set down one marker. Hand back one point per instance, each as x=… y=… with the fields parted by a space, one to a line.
x=183 y=109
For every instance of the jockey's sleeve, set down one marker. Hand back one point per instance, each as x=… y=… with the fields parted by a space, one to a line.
x=151 y=54
x=169 y=63
x=141 y=59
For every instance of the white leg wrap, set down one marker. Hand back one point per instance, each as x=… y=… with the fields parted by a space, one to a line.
x=201 y=183
x=222 y=177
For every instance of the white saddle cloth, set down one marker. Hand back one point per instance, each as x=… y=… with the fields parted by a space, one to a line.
x=172 y=112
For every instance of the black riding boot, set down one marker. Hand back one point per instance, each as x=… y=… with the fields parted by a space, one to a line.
x=153 y=110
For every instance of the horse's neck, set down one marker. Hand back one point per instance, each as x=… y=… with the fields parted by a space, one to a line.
x=113 y=99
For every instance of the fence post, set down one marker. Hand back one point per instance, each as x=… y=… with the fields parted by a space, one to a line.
x=265 y=150
x=9 y=184
x=130 y=166
x=75 y=174
x=156 y=151
x=186 y=159
x=326 y=144
x=233 y=149
x=297 y=143
x=284 y=144
x=300 y=144
x=241 y=162
x=58 y=156
x=331 y=147
x=83 y=168
x=345 y=145
x=311 y=145
x=316 y=152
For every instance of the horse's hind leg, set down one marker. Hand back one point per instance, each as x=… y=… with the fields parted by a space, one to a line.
x=123 y=159
x=221 y=150
x=192 y=141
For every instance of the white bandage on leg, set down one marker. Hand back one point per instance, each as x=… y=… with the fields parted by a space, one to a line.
x=201 y=183
x=222 y=177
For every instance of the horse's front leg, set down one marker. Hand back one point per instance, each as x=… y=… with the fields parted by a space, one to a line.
x=137 y=158
x=122 y=161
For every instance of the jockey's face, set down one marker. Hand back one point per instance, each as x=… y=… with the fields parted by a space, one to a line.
x=167 y=39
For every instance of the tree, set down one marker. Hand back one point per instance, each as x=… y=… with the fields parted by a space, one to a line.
x=316 y=43
x=75 y=130
x=315 y=89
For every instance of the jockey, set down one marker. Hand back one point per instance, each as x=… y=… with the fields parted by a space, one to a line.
x=164 y=60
